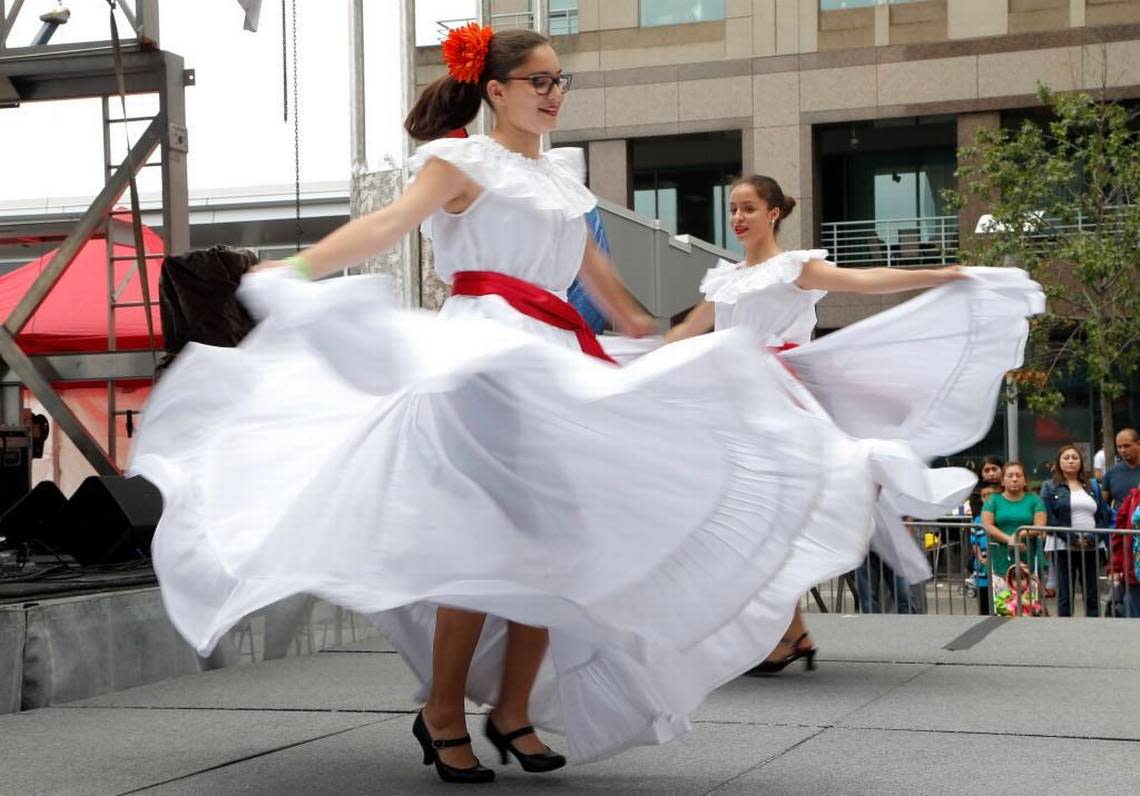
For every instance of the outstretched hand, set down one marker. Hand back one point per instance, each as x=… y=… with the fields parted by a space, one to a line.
x=951 y=273
x=641 y=325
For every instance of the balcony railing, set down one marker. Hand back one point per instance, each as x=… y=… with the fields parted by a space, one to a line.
x=927 y=240
x=563 y=22
x=1038 y=225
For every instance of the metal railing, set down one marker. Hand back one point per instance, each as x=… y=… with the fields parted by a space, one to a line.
x=563 y=22
x=965 y=583
x=1042 y=227
x=926 y=240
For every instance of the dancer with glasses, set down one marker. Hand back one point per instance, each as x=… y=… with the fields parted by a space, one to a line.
x=586 y=548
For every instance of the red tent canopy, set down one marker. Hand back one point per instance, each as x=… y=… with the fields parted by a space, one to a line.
x=73 y=317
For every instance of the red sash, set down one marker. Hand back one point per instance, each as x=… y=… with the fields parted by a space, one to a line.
x=777 y=350
x=532 y=301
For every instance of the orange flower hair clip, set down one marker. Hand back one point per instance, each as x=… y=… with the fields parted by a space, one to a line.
x=465 y=51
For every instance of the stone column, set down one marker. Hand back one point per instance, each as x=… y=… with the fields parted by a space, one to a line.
x=969 y=125
x=609 y=170
x=779 y=146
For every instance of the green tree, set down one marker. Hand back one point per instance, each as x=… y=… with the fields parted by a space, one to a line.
x=1064 y=194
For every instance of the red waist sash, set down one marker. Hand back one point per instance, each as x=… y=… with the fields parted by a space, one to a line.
x=532 y=301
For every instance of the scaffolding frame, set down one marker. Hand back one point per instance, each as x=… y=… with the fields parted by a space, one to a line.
x=86 y=70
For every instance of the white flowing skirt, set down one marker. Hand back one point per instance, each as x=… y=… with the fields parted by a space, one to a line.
x=661 y=519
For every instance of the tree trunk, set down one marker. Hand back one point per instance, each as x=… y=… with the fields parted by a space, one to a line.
x=1108 y=433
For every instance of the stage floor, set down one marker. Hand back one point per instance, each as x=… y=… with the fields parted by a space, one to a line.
x=900 y=704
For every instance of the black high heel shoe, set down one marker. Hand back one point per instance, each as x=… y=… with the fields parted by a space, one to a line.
x=475 y=775
x=765 y=668
x=535 y=764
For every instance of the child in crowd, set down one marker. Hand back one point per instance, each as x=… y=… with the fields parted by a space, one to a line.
x=979 y=564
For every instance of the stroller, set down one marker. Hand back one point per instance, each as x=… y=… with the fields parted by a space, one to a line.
x=1019 y=593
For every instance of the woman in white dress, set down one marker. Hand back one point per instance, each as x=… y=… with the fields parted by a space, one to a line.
x=926 y=372
x=590 y=548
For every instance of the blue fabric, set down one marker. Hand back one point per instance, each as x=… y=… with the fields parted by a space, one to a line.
x=577 y=294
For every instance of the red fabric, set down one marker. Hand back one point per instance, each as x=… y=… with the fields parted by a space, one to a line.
x=779 y=349
x=530 y=300
x=73 y=317
x=460 y=133
x=1120 y=558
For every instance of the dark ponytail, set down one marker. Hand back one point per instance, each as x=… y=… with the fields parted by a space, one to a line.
x=773 y=195
x=446 y=105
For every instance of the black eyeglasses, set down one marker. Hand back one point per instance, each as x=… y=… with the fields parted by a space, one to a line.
x=544 y=84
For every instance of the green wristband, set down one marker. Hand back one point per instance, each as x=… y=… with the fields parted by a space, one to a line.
x=300 y=265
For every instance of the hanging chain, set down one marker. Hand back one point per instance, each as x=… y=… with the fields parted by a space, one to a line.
x=296 y=131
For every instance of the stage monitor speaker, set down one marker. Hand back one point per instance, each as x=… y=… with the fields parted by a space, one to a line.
x=15 y=465
x=32 y=518
x=109 y=519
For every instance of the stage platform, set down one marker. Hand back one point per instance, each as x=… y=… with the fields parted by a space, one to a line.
x=899 y=705
x=100 y=632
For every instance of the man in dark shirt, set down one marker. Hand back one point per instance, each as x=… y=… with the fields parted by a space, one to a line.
x=1122 y=477
x=1119 y=480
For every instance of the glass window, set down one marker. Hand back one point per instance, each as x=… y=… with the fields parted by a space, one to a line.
x=660 y=203
x=679 y=12
x=563 y=17
x=682 y=181
x=723 y=235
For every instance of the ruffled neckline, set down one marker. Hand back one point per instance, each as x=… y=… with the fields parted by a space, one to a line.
x=727 y=282
x=554 y=181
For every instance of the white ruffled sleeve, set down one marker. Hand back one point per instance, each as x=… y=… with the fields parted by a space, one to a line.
x=570 y=159
x=727 y=282
x=717 y=277
x=554 y=181
x=793 y=262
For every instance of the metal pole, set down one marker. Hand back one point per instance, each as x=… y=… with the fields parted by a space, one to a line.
x=6 y=22
x=483 y=123
x=175 y=145
x=1011 y=418
x=410 y=261
x=541 y=16
x=359 y=147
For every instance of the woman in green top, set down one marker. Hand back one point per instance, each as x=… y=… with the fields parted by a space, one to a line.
x=1004 y=514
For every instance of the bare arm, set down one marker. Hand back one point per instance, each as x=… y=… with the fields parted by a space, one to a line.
x=820 y=275
x=612 y=297
x=700 y=319
x=438 y=184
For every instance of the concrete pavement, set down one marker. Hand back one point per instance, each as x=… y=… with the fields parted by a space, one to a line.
x=900 y=704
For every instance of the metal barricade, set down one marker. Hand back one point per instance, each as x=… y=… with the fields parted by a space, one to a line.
x=964 y=581
x=875 y=588
x=1082 y=556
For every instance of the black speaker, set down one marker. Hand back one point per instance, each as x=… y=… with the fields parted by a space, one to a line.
x=109 y=519
x=15 y=465
x=32 y=518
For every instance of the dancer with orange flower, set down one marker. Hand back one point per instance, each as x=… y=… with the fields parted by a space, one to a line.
x=584 y=547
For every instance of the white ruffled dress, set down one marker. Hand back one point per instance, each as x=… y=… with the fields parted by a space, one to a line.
x=660 y=519
x=926 y=372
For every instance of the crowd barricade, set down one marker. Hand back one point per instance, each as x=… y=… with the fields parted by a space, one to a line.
x=1028 y=580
